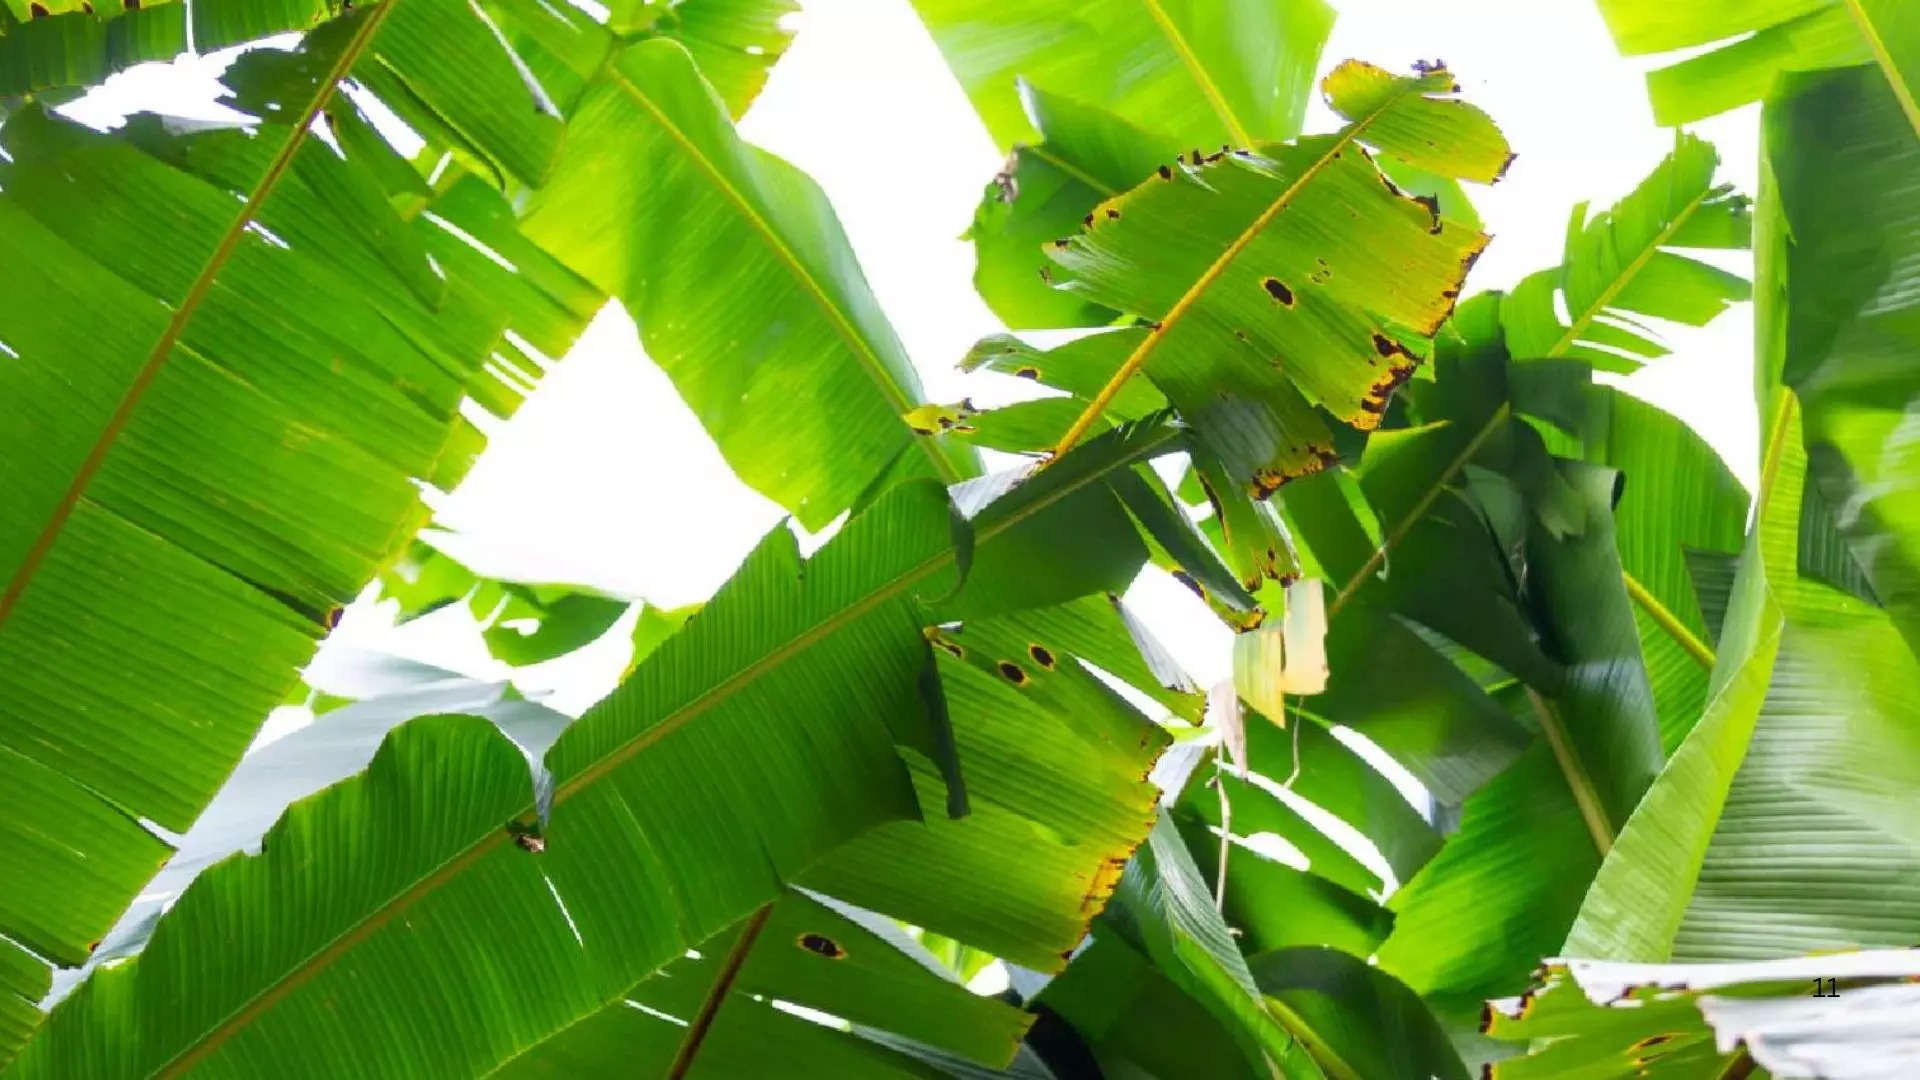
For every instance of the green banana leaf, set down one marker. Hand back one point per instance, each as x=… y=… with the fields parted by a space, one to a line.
x=230 y=361
x=1840 y=147
x=1763 y=40
x=1071 y=149
x=853 y=626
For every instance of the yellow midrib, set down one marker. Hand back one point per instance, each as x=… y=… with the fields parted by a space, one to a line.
x=459 y=861
x=897 y=398
x=1902 y=92
x=1215 y=99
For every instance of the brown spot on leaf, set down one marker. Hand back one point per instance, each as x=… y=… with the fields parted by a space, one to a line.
x=1650 y=1041
x=917 y=430
x=1063 y=242
x=1501 y=174
x=1186 y=579
x=1113 y=214
x=822 y=945
x=1087 y=221
x=1026 y=373
x=332 y=618
x=1279 y=291
x=131 y=5
x=1165 y=173
x=1041 y=656
x=952 y=647
x=1013 y=673
x=38 y=11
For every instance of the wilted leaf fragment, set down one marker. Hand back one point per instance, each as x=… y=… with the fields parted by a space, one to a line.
x=1417 y=120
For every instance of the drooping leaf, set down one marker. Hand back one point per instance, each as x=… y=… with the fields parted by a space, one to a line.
x=1056 y=766
x=1356 y=1015
x=1809 y=677
x=790 y=364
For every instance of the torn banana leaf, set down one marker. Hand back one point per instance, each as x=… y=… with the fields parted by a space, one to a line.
x=1844 y=1016
x=1285 y=278
x=1056 y=764
x=714 y=1011
x=230 y=363
x=1618 y=266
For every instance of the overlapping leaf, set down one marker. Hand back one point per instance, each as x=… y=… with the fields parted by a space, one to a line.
x=1763 y=41
x=679 y=763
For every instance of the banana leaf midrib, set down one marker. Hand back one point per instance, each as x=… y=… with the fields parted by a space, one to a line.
x=163 y=348
x=1876 y=45
x=898 y=400
x=460 y=861
x=1215 y=100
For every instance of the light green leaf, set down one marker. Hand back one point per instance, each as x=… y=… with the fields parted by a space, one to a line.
x=1768 y=38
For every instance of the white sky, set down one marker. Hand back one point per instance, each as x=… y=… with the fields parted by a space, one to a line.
x=605 y=478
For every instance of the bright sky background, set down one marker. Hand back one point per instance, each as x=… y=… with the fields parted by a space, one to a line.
x=605 y=478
